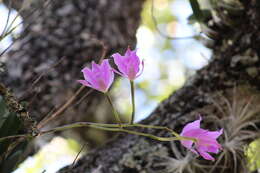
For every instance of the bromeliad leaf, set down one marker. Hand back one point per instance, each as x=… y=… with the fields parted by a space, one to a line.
x=198 y=14
x=13 y=158
x=206 y=15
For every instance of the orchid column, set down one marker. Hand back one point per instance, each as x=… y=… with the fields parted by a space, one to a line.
x=129 y=67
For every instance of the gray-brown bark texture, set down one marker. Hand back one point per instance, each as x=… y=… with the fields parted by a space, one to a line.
x=225 y=92
x=70 y=34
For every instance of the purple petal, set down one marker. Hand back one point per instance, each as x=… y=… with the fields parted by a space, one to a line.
x=187 y=143
x=108 y=74
x=194 y=151
x=104 y=75
x=95 y=67
x=213 y=149
x=208 y=144
x=100 y=77
x=131 y=72
x=205 y=155
x=209 y=138
x=135 y=62
x=128 y=52
x=128 y=64
x=86 y=72
x=215 y=134
x=140 y=72
x=90 y=77
x=101 y=85
x=83 y=82
x=111 y=79
x=191 y=126
x=118 y=72
x=120 y=62
x=106 y=71
x=105 y=64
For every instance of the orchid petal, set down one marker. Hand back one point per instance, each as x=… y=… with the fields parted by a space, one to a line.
x=128 y=65
x=190 y=126
x=215 y=134
x=119 y=61
x=118 y=72
x=83 y=82
x=95 y=67
x=205 y=140
x=187 y=143
x=213 y=149
x=142 y=69
x=106 y=72
x=100 y=77
x=89 y=76
x=206 y=155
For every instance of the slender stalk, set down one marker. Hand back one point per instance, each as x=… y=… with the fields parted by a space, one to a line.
x=133 y=101
x=111 y=129
x=118 y=128
x=114 y=110
x=157 y=127
x=16 y=136
x=62 y=108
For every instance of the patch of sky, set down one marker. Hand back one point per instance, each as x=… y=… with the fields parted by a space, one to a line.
x=13 y=21
x=167 y=61
x=51 y=157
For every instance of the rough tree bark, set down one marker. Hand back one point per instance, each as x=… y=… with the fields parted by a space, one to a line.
x=224 y=92
x=75 y=32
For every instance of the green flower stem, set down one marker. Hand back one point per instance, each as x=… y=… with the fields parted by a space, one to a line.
x=178 y=137
x=118 y=128
x=76 y=125
x=155 y=127
x=114 y=110
x=110 y=127
x=133 y=101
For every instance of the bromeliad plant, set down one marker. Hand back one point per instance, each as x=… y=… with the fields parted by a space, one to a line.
x=101 y=76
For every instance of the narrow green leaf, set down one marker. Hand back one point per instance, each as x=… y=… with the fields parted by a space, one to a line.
x=206 y=15
x=10 y=127
x=196 y=10
x=12 y=161
x=4 y=113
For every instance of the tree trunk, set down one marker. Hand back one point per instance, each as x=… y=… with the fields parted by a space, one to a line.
x=58 y=40
x=225 y=93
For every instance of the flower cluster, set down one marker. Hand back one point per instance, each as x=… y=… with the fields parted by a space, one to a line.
x=100 y=77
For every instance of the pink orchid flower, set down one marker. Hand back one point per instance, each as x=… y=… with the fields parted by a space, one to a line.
x=206 y=140
x=100 y=77
x=128 y=65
